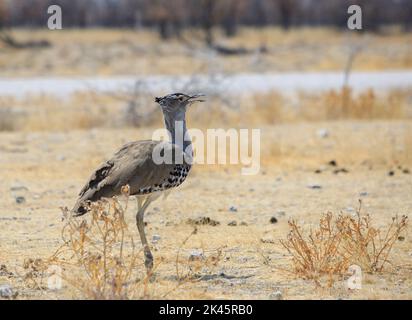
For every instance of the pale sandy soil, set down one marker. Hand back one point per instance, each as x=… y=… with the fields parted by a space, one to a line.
x=52 y=167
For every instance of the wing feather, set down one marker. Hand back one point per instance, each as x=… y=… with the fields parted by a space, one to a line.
x=133 y=165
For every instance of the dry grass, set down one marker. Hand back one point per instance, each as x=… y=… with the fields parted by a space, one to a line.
x=100 y=255
x=99 y=259
x=341 y=104
x=366 y=245
x=93 y=110
x=339 y=243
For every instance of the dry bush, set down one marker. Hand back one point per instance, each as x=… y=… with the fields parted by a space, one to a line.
x=365 y=245
x=316 y=254
x=100 y=251
x=340 y=242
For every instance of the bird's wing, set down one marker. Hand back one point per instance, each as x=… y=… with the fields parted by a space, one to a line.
x=132 y=165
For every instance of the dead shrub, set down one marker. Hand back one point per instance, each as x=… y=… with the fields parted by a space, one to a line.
x=366 y=245
x=317 y=253
x=101 y=252
x=339 y=242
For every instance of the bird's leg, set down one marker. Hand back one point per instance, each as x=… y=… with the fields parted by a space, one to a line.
x=142 y=206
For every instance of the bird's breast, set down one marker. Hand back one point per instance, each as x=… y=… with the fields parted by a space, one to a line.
x=175 y=178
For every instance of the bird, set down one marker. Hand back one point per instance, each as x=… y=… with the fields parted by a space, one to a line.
x=148 y=167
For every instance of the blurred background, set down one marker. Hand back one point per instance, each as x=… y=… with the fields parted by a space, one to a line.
x=260 y=61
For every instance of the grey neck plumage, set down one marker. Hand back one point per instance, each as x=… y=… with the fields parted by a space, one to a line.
x=176 y=126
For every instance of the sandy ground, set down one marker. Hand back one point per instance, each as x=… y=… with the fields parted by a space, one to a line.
x=48 y=169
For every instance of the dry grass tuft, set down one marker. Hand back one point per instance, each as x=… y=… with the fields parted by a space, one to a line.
x=366 y=245
x=339 y=243
x=316 y=254
x=101 y=251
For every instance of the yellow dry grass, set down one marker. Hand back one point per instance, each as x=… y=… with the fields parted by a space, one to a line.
x=91 y=109
x=341 y=242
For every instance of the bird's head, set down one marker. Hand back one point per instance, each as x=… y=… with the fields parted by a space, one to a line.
x=177 y=102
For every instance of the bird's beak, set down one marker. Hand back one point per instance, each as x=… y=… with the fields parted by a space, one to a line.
x=196 y=98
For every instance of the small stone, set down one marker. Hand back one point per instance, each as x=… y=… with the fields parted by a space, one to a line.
x=20 y=199
x=243 y=223
x=333 y=163
x=6 y=291
x=196 y=255
x=267 y=239
x=363 y=194
x=322 y=133
x=60 y=157
x=406 y=171
x=391 y=173
x=280 y=213
x=18 y=187
x=277 y=295
x=232 y=223
x=314 y=186
x=317 y=171
x=401 y=238
x=155 y=238
x=233 y=209
x=273 y=220
x=341 y=170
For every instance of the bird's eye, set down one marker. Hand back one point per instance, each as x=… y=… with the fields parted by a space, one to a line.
x=180 y=98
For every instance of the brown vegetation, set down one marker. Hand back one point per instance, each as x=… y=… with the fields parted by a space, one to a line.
x=340 y=242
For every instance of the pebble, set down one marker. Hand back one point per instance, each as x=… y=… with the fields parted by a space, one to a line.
x=363 y=194
x=243 y=223
x=332 y=163
x=267 y=239
x=60 y=157
x=20 y=199
x=273 y=220
x=280 y=213
x=6 y=291
x=350 y=209
x=314 y=186
x=277 y=295
x=341 y=170
x=322 y=133
x=18 y=187
x=196 y=255
x=233 y=209
x=155 y=238
x=232 y=223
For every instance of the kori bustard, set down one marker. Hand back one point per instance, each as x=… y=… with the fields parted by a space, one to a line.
x=135 y=165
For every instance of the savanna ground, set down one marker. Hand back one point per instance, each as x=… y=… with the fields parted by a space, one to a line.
x=322 y=152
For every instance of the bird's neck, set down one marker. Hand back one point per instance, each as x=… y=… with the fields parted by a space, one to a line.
x=176 y=126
